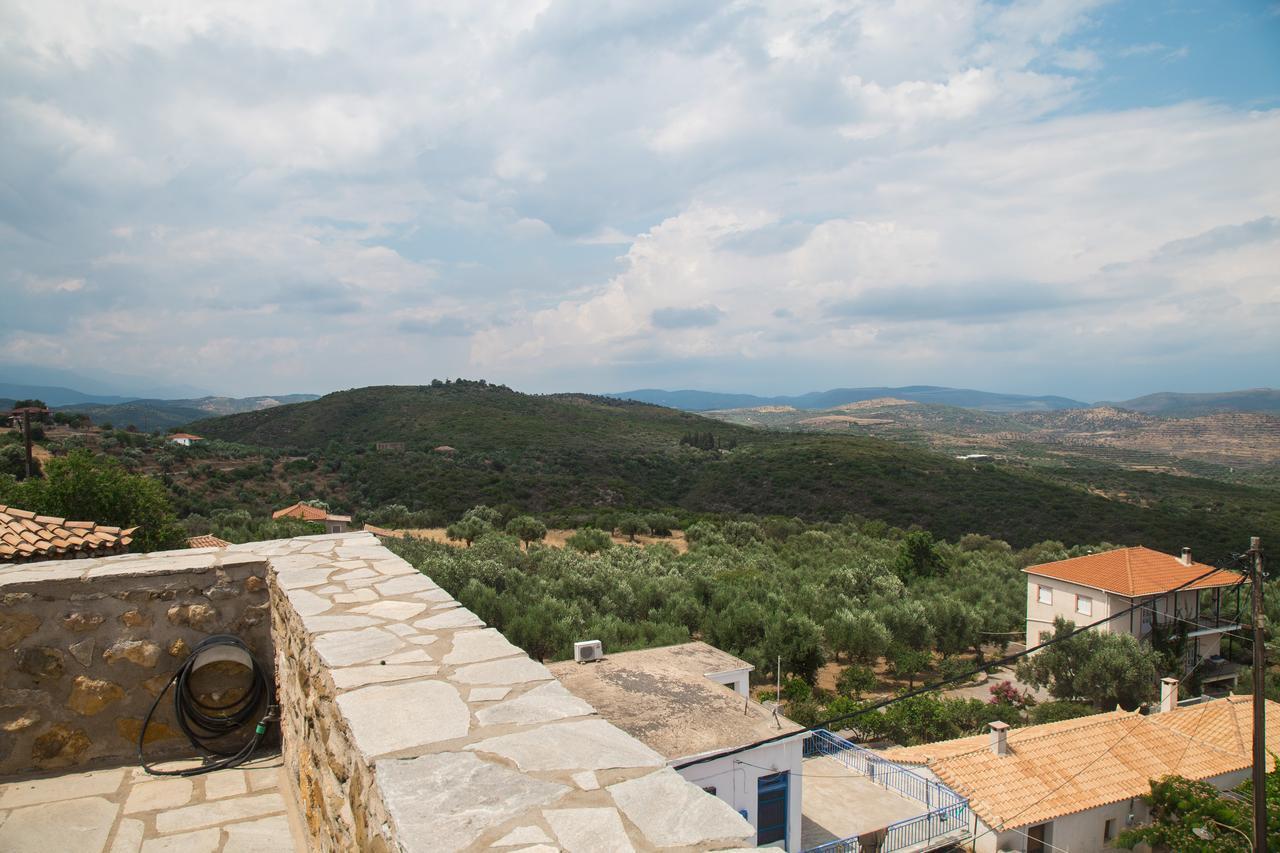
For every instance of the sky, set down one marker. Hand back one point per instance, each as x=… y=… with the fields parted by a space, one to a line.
x=1032 y=196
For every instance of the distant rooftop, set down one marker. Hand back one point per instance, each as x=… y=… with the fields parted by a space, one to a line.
x=1135 y=571
x=664 y=698
x=306 y=512
x=208 y=540
x=1058 y=769
x=27 y=536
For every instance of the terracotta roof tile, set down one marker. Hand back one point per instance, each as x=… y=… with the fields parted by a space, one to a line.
x=1058 y=769
x=208 y=540
x=1134 y=571
x=307 y=512
x=27 y=536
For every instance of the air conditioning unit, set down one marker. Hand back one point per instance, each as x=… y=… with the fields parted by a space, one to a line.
x=587 y=651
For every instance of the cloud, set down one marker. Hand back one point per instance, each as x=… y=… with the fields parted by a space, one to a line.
x=562 y=193
x=686 y=318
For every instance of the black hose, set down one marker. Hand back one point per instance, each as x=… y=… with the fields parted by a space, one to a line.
x=204 y=724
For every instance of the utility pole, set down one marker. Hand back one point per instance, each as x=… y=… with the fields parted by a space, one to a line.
x=26 y=432
x=1259 y=706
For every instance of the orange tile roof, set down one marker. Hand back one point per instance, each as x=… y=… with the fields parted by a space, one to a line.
x=208 y=540
x=185 y=435
x=1134 y=571
x=27 y=536
x=1056 y=769
x=300 y=510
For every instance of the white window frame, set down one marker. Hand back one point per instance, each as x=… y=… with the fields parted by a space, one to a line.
x=1041 y=591
x=1087 y=609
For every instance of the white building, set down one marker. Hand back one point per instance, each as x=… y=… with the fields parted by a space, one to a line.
x=186 y=439
x=1086 y=589
x=692 y=701
x=1076 y=784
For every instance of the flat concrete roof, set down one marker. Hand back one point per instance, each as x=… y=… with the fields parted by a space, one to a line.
x=664 y=698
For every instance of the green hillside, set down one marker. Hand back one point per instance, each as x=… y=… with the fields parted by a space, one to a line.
x=560 y=452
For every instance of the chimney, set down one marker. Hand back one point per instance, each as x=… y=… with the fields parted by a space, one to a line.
x=1000 y=738
x=1186 y=556
x=1168 y=694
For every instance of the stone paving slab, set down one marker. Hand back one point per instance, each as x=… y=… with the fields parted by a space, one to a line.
x=125 y=810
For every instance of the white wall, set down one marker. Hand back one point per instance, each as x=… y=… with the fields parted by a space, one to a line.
x=737 y=680
x=735 y=777
x=1040 y=616
x=1082 y=832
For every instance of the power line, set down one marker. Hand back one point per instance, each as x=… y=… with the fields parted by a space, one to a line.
x=929 y=688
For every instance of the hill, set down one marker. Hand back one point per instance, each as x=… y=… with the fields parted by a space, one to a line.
x=54 y=395
x=1168 y=403
x=1234 y=447
x=151 y=415
x=469 y=443
x=703 y=401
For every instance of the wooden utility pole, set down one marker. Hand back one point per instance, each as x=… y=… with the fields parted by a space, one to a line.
x=26 y=433
x=1259 y=706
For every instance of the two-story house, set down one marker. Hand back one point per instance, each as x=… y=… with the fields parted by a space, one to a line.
x=1205 y=606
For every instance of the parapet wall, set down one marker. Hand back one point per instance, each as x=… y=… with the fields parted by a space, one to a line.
x=88 y=644
x=406 y=724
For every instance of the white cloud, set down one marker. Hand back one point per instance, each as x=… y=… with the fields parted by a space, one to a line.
x=544 y=190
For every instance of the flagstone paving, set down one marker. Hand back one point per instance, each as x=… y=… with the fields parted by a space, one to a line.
x=125 y=810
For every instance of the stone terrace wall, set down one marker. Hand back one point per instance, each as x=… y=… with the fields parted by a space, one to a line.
x=85 y=646
x=407 y=725
x=411 y=727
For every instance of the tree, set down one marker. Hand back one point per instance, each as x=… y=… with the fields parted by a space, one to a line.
x=661 y=524
x=918 y=557
x=860 y=635
x=1103 y=669
x=590 y=540
x=1193 y=816
x=908 y=663
x=956 y=625
x=82 y=487
x=483 y=513
x=908 y=624
x=855 y=681
x=527 y=529
x=797 y=639
x=632 y=526
x=468 y=529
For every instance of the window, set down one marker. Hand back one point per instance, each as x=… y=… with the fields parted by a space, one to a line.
x=1044 y=595
x=1109 y=829
x=1084 y=605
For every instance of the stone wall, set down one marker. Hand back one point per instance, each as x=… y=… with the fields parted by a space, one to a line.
x=88 y=644
x=407 y=725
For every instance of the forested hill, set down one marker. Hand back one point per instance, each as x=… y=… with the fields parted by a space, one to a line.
x=468 y=443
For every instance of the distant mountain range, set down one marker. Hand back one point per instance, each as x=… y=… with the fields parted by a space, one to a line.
x=104 y=387
x=145 y=414
x=964 y=398
x=1165 y=403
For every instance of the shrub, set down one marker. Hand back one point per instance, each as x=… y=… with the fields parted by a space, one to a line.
x=590 y=541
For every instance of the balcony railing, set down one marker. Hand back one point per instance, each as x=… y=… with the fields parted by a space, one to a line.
x=946 y=817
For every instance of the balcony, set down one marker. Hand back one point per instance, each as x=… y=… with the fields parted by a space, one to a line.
x=852 y=795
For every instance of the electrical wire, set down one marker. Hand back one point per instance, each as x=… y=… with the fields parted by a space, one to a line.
x=929 y=688
x=206 y=724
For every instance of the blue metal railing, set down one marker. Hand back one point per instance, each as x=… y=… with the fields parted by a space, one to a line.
x=947 y=813
x=880 y=770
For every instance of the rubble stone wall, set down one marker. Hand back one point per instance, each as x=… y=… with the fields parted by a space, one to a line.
x=86 y=646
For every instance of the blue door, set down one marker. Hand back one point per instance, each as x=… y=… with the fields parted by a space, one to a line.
x=771 y=808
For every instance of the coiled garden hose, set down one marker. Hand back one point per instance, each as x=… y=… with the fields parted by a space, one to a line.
x=204 y=724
